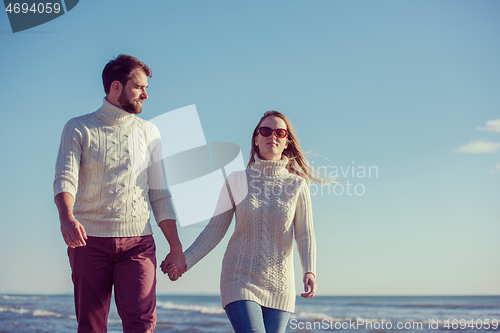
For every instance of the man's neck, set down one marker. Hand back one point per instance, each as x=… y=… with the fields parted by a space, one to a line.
x=114 y=102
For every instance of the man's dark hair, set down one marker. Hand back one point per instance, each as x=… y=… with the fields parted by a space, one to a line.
x=119 y=69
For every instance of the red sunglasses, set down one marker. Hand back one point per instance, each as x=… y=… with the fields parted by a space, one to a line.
x=279 y=132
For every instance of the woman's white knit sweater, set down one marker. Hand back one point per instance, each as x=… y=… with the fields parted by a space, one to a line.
x=110 y=162
x=271 y=207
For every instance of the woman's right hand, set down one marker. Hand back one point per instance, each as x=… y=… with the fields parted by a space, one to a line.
x=169 y=266
x=171 y=270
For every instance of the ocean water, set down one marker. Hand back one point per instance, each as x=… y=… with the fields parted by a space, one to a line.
x=55 y=314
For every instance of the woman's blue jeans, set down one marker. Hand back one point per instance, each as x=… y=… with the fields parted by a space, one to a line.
x=250 y=317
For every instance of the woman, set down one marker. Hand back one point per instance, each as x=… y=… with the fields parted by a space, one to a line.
x=272 y=204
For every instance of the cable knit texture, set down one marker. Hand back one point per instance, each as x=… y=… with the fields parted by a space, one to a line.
x=272 y=206
x=110 y=162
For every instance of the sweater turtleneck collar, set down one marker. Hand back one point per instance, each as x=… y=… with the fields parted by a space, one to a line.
x=113 y=113
x=270 y=168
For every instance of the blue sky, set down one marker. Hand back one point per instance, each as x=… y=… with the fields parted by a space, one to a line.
x=406 y=87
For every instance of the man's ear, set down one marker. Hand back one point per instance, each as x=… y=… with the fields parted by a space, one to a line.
x=116 y=86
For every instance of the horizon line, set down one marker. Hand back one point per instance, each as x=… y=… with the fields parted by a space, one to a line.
x=297 y=295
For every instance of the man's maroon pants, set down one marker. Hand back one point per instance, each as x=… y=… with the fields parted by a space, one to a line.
x=128 y=263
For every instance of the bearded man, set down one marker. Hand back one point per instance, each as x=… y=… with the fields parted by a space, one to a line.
x=109 y=176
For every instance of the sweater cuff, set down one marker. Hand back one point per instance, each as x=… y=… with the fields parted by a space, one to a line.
x=310 y=264
x=163 y=209
x=310 y=270
x=64 y=186
x=191 y=259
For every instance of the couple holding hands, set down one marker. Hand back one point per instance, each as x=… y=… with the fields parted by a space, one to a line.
x=104 y=203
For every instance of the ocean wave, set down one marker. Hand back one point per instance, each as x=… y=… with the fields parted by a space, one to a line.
x=36 y=313
x=431 y=305
x=23 y=298
x=315 y=316
x=45 y=313
x=453 y=306
x=196 y=308
x=12 y=310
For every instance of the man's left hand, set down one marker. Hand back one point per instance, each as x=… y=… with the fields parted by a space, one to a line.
x=174 y=265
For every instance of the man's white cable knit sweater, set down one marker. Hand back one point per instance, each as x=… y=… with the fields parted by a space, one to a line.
x=271 y=207
x=110 y=162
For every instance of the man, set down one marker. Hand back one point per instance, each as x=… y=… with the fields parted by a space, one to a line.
x=109 y=175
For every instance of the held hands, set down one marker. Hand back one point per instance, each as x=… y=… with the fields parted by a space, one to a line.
x=174 y=265
x=73 y=232
x=310 y=285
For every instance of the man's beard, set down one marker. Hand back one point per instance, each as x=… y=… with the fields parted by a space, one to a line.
x=127 y=105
